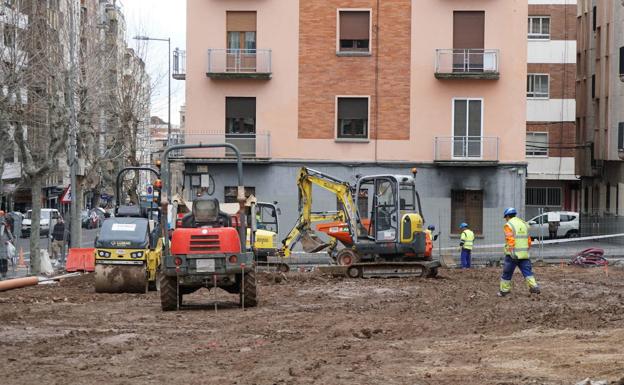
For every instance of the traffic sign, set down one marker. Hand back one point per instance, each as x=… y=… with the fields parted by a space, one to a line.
x=67 y=195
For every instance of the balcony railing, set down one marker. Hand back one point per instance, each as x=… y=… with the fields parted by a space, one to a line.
x=253 y=145
x=475 y=63
x=466 y=148
x=239 y=63
x=179 y=64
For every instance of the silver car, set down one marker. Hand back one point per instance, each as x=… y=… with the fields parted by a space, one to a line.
x=568 y=225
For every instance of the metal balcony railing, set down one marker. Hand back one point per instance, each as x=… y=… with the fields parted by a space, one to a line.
x=467 y=63
x=252 y=145
x=239 y=63
x=466 y=148
x=179 y=64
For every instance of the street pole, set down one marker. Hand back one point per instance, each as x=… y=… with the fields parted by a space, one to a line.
x=169 y=96
x=73 y=125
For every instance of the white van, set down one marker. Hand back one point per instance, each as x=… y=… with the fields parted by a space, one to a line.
x=49 y=217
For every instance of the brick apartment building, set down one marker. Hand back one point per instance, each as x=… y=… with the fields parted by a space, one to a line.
x=363 y=87
x=551 y=130
x=600 y=116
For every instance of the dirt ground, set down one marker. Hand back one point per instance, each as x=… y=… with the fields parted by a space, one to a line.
x=311 y=329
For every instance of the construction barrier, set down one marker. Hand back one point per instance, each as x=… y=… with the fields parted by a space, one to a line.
x=80 y=260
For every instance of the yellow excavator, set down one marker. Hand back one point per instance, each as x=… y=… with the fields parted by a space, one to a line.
x=382 y=231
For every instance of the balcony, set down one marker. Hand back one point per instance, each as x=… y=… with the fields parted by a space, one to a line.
x=466 y=149
x=467 y=64
x=251 y=145
x=239 y=64
x=179 y=64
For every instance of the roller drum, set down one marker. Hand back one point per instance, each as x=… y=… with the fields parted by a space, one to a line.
x=120 y=279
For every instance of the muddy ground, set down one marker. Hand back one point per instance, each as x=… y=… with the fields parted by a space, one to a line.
x=311 y=329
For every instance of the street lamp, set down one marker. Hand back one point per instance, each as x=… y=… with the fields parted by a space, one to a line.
x=168 y=40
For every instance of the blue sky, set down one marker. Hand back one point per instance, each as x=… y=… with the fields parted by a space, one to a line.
x=160 y=19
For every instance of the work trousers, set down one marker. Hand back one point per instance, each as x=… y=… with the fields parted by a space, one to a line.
x=508 y=269
x=466 y=256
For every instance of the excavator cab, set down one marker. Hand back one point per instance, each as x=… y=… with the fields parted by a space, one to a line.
x=392 y=205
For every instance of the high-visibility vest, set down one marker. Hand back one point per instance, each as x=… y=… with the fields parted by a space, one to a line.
x=468 y=237
x=521 y=236
x=428 y=243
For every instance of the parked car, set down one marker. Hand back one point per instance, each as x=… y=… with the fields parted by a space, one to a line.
x=568 y=225
x=49 y=217
x=92 y=219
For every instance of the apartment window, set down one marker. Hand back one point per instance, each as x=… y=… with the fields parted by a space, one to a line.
x=620 y=136
x=543 y=196
x=537 y=86
x=230 y=193
x=539 y=27
x=537 y=144
x=352 y=117
x=354 y=31
x=467 y=206
x=241 y=30
x=240 y=115
x=594 y=17
x=593 y=86
x=621 y=61
x=467 y=125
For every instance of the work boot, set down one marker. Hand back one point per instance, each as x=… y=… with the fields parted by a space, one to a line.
x=502 y=293
x=534 y=290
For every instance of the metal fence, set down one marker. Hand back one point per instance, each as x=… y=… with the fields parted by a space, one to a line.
x=239 y=61
x=466 y=148
x=251 y=145
x=469 y=60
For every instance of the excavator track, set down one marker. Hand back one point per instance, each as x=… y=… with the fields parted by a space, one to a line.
x=120 y=279
x=425 y=269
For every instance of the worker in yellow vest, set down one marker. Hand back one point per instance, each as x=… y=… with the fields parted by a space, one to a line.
x=517 y=244
x=466 y=242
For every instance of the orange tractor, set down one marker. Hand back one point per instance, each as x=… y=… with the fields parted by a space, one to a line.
x=207 y=248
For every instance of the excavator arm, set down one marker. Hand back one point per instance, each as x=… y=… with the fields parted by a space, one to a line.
x=302 y=230
x=294 y=235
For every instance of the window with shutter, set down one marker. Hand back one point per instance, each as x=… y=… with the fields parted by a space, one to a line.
x=354 y=31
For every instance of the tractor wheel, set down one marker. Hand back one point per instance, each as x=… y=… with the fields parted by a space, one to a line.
x=168 y=293
x=347 y=257
x=250 y=290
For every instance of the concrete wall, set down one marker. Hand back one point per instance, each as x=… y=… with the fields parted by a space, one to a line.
x=502 y=186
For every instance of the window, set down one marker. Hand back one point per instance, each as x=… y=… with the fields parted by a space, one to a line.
x=537 y=144
x=594 y=16
x=241 y=41
x=539 y=27
x=620 y=136
x=240 y=115
x=352 y=117
x=231 y=192
x=354 y=31
x=467 y=206
x=621 y=61
x=537 y=86
x=467 y=124
x=593 y=86
x=543 y=196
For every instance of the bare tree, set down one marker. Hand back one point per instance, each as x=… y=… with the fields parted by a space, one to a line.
x=33 y=108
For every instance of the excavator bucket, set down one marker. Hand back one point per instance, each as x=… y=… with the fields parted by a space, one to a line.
x=311 y=243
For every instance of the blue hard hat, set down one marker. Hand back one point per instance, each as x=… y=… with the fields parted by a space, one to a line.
x=510 y=211
x=431 y=227
x=463 y=225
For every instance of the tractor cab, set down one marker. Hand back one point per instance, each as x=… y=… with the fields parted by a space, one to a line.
x=206 y=213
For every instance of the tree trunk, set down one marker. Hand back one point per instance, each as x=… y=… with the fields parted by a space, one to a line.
x=35 y=228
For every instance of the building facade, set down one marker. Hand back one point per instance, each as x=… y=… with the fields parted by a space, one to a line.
x=552 y=183
x=600 y=117
x=350 y=88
